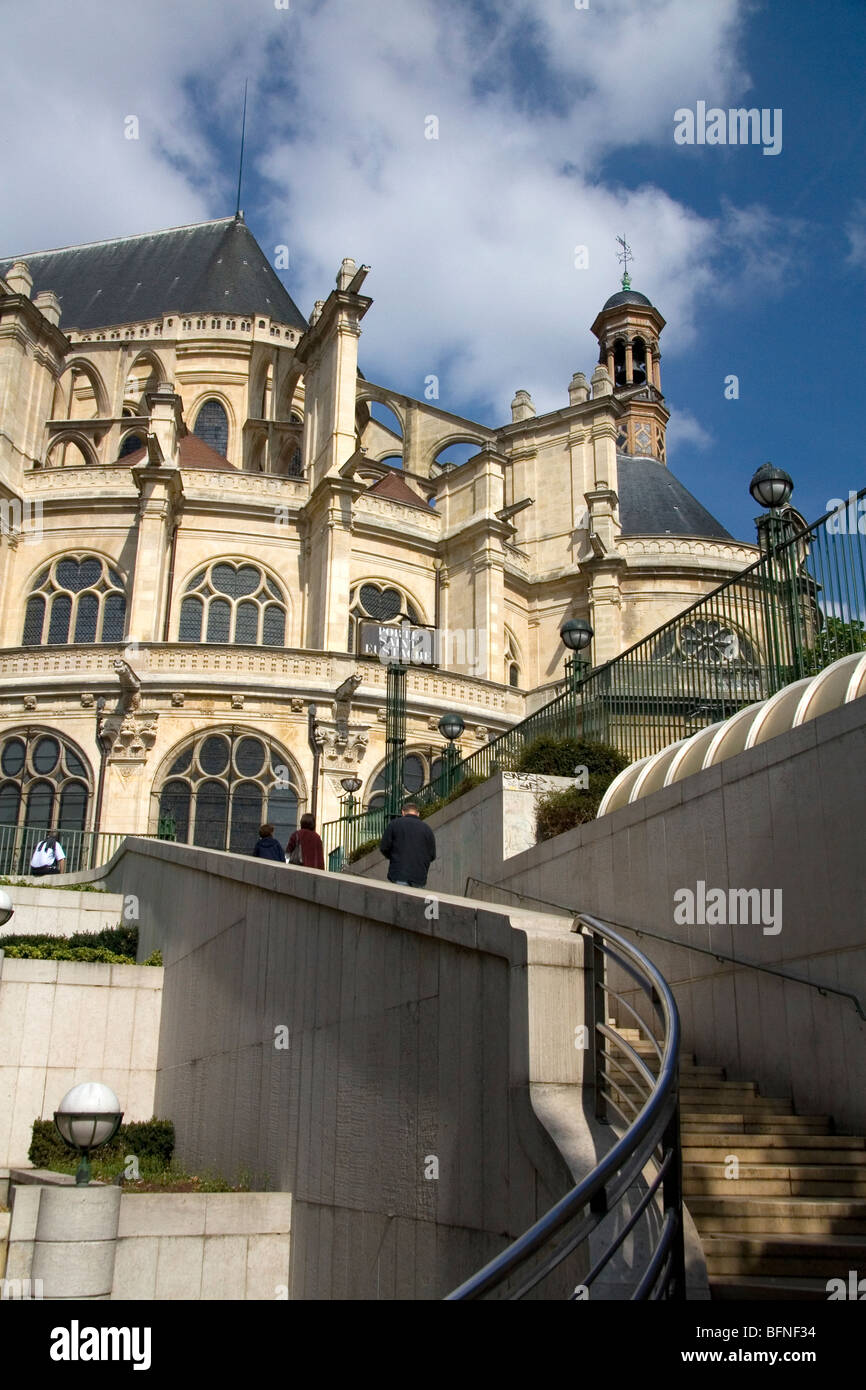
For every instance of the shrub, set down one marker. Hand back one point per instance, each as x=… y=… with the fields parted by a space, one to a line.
x=151 y=1139
x=561 y=810
x=37 y=949
x=363 y=848
x=472 y=779
x=558 y=757
x=112 y=946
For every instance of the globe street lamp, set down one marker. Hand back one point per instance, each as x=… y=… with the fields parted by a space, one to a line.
x=350 y=785
x=87 y=1117
x=576 y=634
x=6 y=908
x=771 y=487
x=451 y=726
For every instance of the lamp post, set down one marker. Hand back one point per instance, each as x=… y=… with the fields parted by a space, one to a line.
x=771 y=487
x=576 y=634
x=87 y=1117
x=347 y=812
x=6 y=908
x=451 y=726
x=350 y=785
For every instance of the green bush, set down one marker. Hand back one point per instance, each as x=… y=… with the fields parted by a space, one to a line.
x=112 y=946
x=155 y=958
x=151 y=1139
x=89 y=955
x=471 y=779
x=363 y=848
x=558 y=757
x=562 y=810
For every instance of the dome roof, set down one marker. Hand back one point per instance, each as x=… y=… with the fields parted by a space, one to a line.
x=627 y=297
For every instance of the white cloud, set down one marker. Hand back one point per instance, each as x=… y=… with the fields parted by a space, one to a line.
x=685 y=430
x=855 y=230
x=471 y=237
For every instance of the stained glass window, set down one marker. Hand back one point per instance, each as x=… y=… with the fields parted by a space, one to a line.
x=212 y=426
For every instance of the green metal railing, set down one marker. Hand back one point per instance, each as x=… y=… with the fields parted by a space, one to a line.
x=84 y=849
x=791 y=613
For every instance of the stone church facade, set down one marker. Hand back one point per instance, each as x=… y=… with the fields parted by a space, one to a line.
x=202 y=506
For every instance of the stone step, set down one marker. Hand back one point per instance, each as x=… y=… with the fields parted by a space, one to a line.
x=745 y=1289
x=780 y=1185
x=758 y=1110
x=752 y=1152
x=788 y=1124
x=796 y=1256
x=740 y=1224
x=805 y=1142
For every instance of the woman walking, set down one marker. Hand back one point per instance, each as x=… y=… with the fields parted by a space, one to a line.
x=305 y=846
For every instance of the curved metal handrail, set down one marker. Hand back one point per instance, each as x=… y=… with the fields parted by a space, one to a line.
x=652 y=1136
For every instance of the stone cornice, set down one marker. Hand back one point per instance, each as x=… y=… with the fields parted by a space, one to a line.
x=666 y=550
x=273 y=674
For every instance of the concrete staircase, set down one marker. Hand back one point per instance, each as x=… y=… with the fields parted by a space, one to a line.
x=795 y=1216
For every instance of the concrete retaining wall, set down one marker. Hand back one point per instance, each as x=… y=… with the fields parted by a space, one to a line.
x=787 y=815
x=59 y=912
x=338 y=1042
x=99 y=1242
x=62 y=1022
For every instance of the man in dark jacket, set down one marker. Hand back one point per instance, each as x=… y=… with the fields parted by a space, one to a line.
x=410 y=847
x=266 y=847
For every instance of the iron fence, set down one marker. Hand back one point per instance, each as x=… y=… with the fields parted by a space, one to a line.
x=796 y=609
x=84 y=849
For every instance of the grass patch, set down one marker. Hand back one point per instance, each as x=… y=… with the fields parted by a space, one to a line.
x=50 y=881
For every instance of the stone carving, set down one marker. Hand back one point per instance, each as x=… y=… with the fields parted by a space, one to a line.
x=177 y=699
x=130 y=685
x=341 y=741
x=297 y=704
x=87 y=701
x=129 y=733
x=29 y=702
x=237 y=702
x=128 y=737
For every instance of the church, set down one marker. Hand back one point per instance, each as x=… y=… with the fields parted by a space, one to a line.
x=216 y=527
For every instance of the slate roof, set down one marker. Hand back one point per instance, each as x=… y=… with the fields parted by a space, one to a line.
x=652 y=502
x=212 y=267
x=393 y=486
x=626 y=297
x=192 y=453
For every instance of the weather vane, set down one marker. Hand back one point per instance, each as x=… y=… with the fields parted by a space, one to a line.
x=624 y=256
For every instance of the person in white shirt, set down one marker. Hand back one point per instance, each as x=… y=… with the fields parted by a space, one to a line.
x=48 y=856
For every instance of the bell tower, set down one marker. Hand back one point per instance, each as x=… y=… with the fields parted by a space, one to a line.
x=628 y=329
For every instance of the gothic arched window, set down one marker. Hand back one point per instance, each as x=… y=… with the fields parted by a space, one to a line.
x=45 y=784
x=233 y=602
x=512 y=660
x=77 y=598
x=212 y=426
x=380 y=603
x=131 y=444
x=420 y=766
x=222 y=786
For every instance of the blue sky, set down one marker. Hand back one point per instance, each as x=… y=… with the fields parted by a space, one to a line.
x=555 y=129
